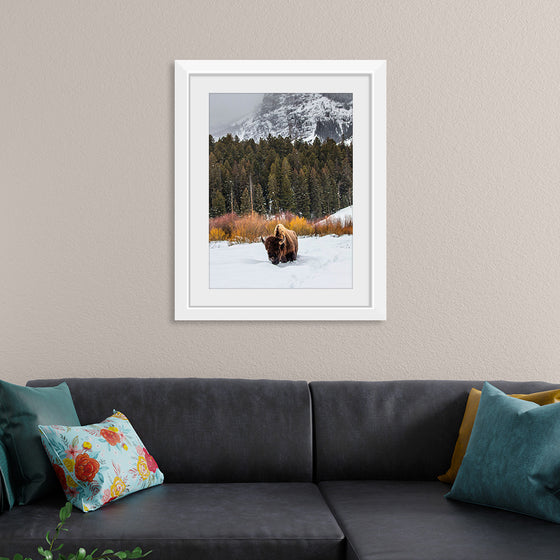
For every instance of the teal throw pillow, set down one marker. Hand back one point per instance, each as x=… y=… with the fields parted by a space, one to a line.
x=21 y=410
x=100 y=463
x=6 y=489
x=513 y=457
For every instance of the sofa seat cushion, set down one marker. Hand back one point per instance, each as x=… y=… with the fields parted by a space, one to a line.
x=192 y=521
x=411 y=520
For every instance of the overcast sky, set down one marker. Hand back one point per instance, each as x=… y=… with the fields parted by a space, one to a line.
x=229 y=107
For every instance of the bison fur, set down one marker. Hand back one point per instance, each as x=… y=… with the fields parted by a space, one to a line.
x=282 y=245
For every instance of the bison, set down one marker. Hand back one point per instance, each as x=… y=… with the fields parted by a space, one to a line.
x=282 y=245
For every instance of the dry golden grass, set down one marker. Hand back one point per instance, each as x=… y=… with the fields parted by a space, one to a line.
x=249 y=228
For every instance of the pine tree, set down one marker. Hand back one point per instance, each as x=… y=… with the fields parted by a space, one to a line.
x=237 y=183
x=286 y=193
x=345 y=183
x=302 y=193
x=330 y=192
x=317 y=149
x=245 y=207
x=315 y=194
x=215 y=175
x=273 y=202
x=228 y=193
x=258 y=200
x=217 y=205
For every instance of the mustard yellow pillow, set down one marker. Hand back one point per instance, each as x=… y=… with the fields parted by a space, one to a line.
x=541 y=398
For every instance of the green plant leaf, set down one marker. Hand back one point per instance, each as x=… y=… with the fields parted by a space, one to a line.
x=65 y=512
x=47 y=554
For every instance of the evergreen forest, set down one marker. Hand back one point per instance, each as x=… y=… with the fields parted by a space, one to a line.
x=279 y=175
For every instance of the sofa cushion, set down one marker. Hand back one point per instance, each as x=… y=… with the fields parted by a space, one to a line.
x=276 y=521
x=209 y=430
x=399 y=430
x=100 y=463
x=542 y=398
x=21 y=410
x=410 y=520
x=7 y=495
x=513 y=457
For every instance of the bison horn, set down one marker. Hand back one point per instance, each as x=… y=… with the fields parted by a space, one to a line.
x=262 y=239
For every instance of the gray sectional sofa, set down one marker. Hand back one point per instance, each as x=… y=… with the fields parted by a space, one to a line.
x=285 y=470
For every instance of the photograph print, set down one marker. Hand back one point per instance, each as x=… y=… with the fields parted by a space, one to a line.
x=280 y=190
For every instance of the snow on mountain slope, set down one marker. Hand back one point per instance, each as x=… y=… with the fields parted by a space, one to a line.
x=302 y=116
x=341 y=216
x=323 y=262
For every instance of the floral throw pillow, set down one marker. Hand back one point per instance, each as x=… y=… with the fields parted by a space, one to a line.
x=99 y=463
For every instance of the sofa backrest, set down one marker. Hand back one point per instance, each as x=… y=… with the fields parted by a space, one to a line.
x=208 y=430
x=400 y=430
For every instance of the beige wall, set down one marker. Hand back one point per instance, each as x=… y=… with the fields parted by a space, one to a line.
x=86 y=179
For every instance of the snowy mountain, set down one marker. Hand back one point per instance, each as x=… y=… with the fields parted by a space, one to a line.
x=302 y=116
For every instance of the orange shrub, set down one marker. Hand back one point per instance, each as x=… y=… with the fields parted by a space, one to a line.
x=327 y=227
x=269 y=227
x=300 y=225
x=224 y=222
x=217 y=234
x=249 y=228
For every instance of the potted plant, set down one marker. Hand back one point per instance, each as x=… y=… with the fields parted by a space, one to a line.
x=53 y=553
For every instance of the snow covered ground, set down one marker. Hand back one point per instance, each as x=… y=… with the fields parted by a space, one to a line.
x=323 y=262
x=340 y=216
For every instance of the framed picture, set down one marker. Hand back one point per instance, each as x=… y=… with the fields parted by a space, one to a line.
x=280 y=190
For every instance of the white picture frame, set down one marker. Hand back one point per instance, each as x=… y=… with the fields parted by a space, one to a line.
x=194 y=81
